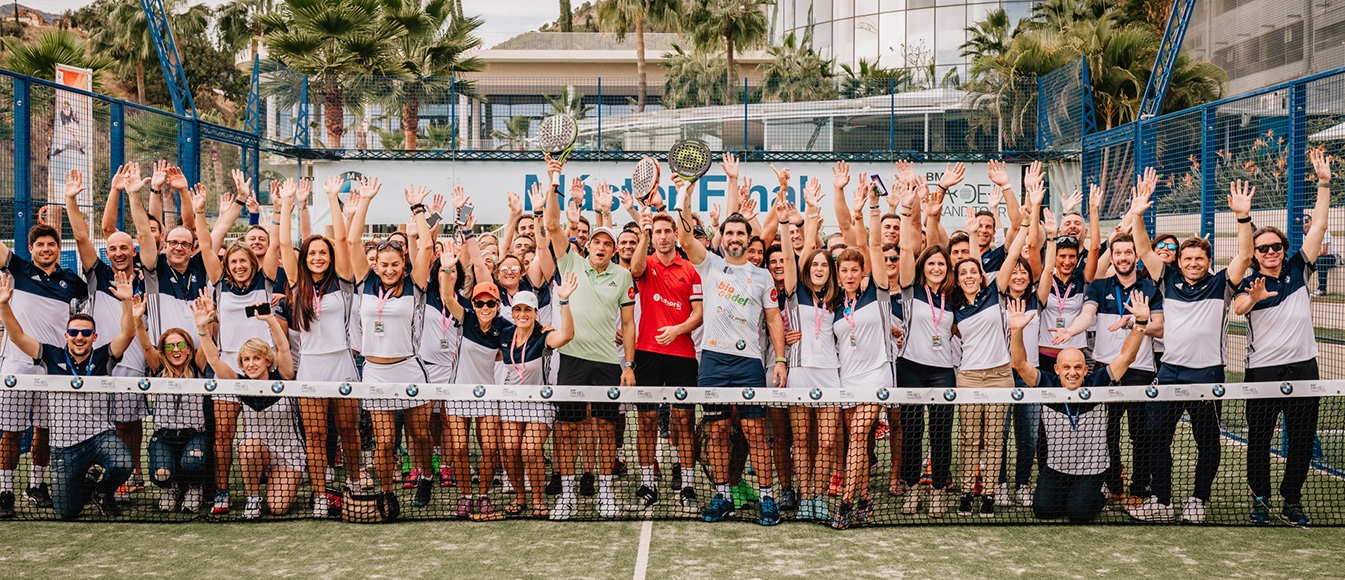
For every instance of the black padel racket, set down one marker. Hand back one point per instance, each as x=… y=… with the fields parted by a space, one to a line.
x=689 y=159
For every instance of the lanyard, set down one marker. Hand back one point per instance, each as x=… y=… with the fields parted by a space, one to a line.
x=383 y=296
x=849 y=314
x=1060 y=298
x=818 y=314
x=1073 y=418
x=88 y=370
x=1120 y=304
x=937 y=316
x=443 y=320
x=517 y=361
x=317 y=304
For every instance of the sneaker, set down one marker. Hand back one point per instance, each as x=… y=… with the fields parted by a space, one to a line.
x=768 y=512
x=107 y=505
x=911 y=505
x=743 y=495
x=320 y=506
x=677 y=476
x=1023 y=496
x=499 y=480
x=586 y=488
x=658 y=471
x=938 y=503
x=136 y=483
x=987 y=507
x=446 y=477
x=841 y=521
x=1260 y=510
x=485 y=511
x=168 y=499
x=821 y=512
x=411 y=480
x=619 y=468
x=1150 y=510
x=607 y=507
x=553 y=486
x=191 y=500
x=1002 y=496
x=690 y=504
x=644 y=499
x=720 y=509
x=834 y=488
x=788 y=500
x=40 y=495
x=882 y=430
x=424 y=489
x=965 y=506
x=1134 y=502
x=221 y=503
x=253 y=510
x=1194 y=512
x=476 y=478
x=122 y=495
x=1292 y=512
x=6 y=505
x=863 y=511
x=804 y=512
x=366 y=481
x=464 y=507
x=564 y=508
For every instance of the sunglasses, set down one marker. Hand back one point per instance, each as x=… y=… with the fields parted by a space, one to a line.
x=1169 y=246
x=891 y=259
x=394 y=244
x=486 y=303
x=1267 y=248
x=509 y=269
x=73 y=332
x=174 y=346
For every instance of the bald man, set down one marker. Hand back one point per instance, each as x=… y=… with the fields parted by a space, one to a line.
x=1074 y=470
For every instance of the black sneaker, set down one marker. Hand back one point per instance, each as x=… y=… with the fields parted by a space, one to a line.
x=987 y=507
x=964 y=508
x=107 y=505
x=677 y=476
x=586 y=485
x=424 y=488
x=690 y=504
x=788 y=500
x=6 y=505
x=40 y=495
x=553 y=486
x=645 y=498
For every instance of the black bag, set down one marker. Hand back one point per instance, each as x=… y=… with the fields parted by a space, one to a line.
x=369 y=508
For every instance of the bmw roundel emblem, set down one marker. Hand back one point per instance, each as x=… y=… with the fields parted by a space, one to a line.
x=680 y=394
x=1017 y=394
x=1086 y=394
x=211 y=385
x=749 y=393
x=11 y=382
x=547 y=392
x=883 y=394
x=1151 y=392
x=479 y=391
x=344 y=389
x=412 y=390
x=77 y=383
x=816 y=394
x=1218 y=390
x=741 y=345
x=1287 y=388
x=143 y=384
x=614 y=393
x=949 y=395
x=277 y=387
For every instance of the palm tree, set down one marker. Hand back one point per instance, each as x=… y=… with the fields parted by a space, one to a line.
x=733 y=24
x=40 y=57
x=330 y=41
x=130 y=42
x=989 y=37
x=796 y=72
x=571 y=104
x=621 y=16
x=428 y=58
x=239 y=23
x=695 y=78
x=870 y=78
x=515 y=133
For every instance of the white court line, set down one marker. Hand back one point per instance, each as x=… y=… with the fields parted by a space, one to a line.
x=642 y=556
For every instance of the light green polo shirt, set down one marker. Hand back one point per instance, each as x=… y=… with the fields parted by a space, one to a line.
x=596 y=307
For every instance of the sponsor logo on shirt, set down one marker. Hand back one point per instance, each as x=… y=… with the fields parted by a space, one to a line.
x=675 y=304
x=728 y=292
x=629 y=293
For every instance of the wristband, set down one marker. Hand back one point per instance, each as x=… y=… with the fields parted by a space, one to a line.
x=1141 y=322
x=240 y=202
x=156 y=191
x=873 y=207
x=1245 y=220
x=564 y=302
x=1320 y=184
x=536 y=213
x=275 y=223
x=418 y=206
x=780 y=359
x=469 y=236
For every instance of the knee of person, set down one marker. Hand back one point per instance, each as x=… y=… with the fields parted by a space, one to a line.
x=279 y=507
x=161 y=476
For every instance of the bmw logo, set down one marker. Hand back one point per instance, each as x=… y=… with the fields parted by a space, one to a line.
x=344 y=389
x=614 y=393
x=742 y=345
x=412 y=390
x=1086 y=394
x=1218 y=390
x=143 y=384
x=76 y=383
x=277 y=387
x=815 y=394
x=1017 y=394
x=950 y=395
x=883 y=394
x=479 y=391
x=547 y=392
x=211 y=385
x=11 y=382
x=1151 y=392
x=680 y=394
x=1287 y=388
x=749 y=393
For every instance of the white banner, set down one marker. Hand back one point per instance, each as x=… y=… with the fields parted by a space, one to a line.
x=71 y=135
x=486 y=182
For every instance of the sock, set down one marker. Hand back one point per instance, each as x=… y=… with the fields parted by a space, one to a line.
x=37 y=475
x=6 y=480
x=567 y=485
x=688 y=477
x=722 y=489
x=605 y=486
x=765 y=491
x=647 y=476
x=675 y=458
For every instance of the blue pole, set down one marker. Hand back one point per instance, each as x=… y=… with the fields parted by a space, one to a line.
x=581 y=106
x=1146 y=144
x=892 y=117
x=453 y=111
x=1298 y=141
x=22 y=167
x=1209 y=188
x=745 y=147
x=117 y=153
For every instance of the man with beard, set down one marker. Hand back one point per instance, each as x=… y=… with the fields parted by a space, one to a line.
x=1106 y=302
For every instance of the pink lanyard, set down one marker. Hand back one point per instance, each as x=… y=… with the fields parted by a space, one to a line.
x=317 y=304
x=383 y=296
x=443 y=320
x=518 y=363
x=1060 y=298
x=818 y=314
x=849 y=314
x=938 y=317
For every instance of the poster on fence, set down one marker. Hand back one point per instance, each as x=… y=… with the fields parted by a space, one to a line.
x=71 y=135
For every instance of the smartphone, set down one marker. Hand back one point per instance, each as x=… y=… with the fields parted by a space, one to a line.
x=878 y=186
x=463 y=214
x=258 y=309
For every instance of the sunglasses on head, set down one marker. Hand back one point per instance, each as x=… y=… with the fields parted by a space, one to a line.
x=1267 y=248
x=1169 y=246
x=485 y=303
x=394 y=244
x=174 y=346
x=73 y=332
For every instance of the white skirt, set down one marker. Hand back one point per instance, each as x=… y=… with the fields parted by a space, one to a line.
x=528 y=412
x=335 y=367
x=408 y=371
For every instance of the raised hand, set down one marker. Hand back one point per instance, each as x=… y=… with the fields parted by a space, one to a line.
x=933 y=199
x=251 y=203
x=415 y=194
x=1240 y=198
x=568 y=287
x=138 y=306
x=1035 y=194
x=1072 y=202
x=119 y=179
x=625 y=198
x=437 y=203
x=538 y=197
x=176 y=179
x=304 y=190
x=198 y=199
x=1138 y=305
x=729 y=164
x=905 y=170
x=1257 y=290
x=512 y=201
x=781 y=175
x=460 y=198
x=905 y=196
x=1033 y=176
x=123 y=285
x=6 y=287
x=840 y=175
x=553 y=168
x=203 y=309
x=74 y=184
x=602 y=197
x=284 y=191
x=812 y=193
x=1095 y=195
x=332 y=186
x=714 y=215
x=1321 y=163
x=952 y=175
x=997 y=172
x=369 y=187
x=577 y=189
x=1019 y=317
x=134 y=183
x=995 y=198
x=242 y=185
x=572 y=213
x=352 y=202
x=159 y=176
x=1048 y=222
x=748 y=207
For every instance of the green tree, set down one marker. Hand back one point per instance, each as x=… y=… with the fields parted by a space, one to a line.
x=734 y=25
x=622 y=16
x=695 y=78
x=566 y=17
x=40 y=57
x=429 y=58
x=515 y=133
x=867 y=79
x=796 y=72
x=240 y=24
x=989 y=37
x=130 y=43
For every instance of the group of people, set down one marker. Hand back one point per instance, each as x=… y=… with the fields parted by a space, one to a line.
x=759 y=299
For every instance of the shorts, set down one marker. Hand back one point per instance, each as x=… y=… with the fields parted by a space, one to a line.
x=406 y=371
x=725 y=370
x=584 y=373
x=20 y=410
x=654 y=369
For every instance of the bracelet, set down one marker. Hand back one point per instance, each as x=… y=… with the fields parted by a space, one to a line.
x=1141 y=322
x=275 y=223
x=1320 y=184
x=417 y=207
x=536 y=213
x=563 y=302
x=240 y=202
x=469 y=236
x=873 y=207
x=780 y=359
x=1245 y=220
x=156 y=191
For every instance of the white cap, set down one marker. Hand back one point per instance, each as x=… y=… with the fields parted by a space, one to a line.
x=524 y=298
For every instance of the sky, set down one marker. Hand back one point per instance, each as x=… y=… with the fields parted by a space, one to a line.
x=504 y=19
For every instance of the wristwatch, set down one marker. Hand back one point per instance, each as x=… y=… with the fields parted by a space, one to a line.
x=629 y=365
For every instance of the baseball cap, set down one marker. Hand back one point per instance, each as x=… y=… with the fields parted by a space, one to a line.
x=525 y=298
x=487 y=288
x=611 y=233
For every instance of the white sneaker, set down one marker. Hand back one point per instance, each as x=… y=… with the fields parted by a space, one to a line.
x=320 y=506
x=330 y=475
x=1002 y=496
x=191 y=501
x=938 y=503
x=911 y=505
x=1152 y=511
x=1023 y=496
x=1194 y=512
x=253 y=510
x=607 y=507
x=167 y=498
x=564 y=508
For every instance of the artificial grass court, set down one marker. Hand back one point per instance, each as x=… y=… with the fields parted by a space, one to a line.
x=678 y=549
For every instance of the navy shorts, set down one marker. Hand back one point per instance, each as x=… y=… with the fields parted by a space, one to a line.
x=726 y=370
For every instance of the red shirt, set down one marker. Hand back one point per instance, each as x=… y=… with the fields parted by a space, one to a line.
x=666 y=294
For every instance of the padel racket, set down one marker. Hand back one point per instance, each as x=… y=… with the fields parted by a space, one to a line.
x=689 y=159
x=556 y=135
x=645 y=177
